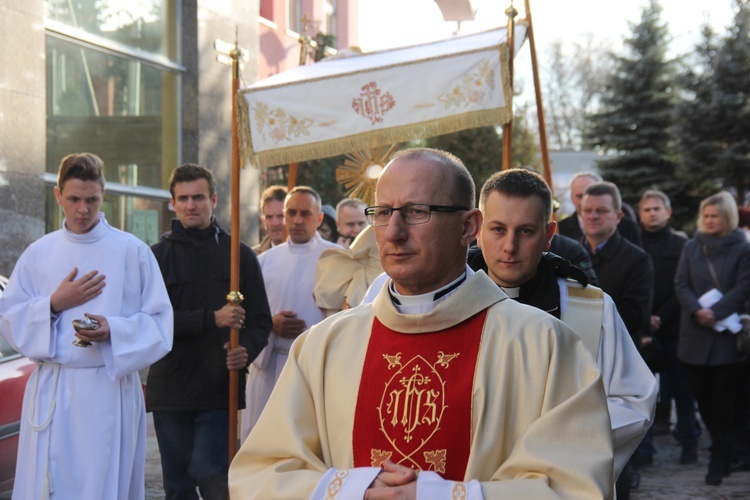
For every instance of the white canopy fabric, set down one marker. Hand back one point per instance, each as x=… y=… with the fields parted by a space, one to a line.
x=336 y=106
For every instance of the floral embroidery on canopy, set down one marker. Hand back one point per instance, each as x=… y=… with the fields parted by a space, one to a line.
x=280 y=125
x=473 y=88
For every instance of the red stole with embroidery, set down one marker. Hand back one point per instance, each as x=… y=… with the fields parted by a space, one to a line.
x=415 y=398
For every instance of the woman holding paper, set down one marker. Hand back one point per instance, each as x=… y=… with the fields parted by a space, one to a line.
x=713 y=284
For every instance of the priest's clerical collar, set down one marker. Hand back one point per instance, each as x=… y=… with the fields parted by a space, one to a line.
x=513 y=293
x=409 y=301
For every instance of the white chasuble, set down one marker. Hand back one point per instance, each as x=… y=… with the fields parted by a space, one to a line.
x=539 y=425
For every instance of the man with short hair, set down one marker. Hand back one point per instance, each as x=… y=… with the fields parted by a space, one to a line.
x=83 y=430
x=664 y=246
x=624 y=271
x=350 y=220
x=572 y=226
x=516 y=231
x=289 y=277
x=442 y=387
x=188 y=390
x=272 y=218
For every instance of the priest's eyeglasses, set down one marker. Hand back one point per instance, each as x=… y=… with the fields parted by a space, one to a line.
x=412 y=214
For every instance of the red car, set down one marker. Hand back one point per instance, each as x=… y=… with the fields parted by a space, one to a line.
x=14 y=372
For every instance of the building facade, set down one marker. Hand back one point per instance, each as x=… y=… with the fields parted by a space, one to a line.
x=138 y=83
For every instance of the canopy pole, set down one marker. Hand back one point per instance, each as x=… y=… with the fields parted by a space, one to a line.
x=511 y=12
x=234 y=297
x=539 y=105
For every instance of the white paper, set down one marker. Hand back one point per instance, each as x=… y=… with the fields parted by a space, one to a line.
x=731 y=322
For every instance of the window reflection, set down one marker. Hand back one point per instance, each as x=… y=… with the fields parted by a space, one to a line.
x=122 y=110
x=137 y=23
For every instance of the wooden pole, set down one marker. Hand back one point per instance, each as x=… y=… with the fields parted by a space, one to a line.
x=234 y=297
x=511 y=12
x=539 y=105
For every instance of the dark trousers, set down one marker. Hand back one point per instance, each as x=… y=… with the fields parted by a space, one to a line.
x=716 y=389
x=675 y=384
x=194 y=453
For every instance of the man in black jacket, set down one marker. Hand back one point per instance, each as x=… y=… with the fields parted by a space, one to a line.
x=664 y=246
x=572 y=226
x=624 y=271
x=187 y=390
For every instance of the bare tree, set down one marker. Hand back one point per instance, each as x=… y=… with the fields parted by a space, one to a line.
x=572 y=80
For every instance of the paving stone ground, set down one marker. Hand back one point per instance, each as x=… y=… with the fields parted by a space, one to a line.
x=667 y=479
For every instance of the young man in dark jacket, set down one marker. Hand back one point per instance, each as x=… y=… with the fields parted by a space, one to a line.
x=187 y=390
x=664 y=246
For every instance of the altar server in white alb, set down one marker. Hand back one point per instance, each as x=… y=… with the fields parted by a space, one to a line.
x=289 y=276
x=443 y=387
x=83 y=425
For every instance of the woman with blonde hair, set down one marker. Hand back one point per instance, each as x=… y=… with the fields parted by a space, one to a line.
x=716 y=260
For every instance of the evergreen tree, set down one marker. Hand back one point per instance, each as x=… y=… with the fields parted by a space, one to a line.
x=632 y=128
x=695 y=119
x=732 y=102
x=713 y=116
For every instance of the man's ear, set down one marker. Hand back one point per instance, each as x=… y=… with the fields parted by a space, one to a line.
x=550 y=233
x=472 y=223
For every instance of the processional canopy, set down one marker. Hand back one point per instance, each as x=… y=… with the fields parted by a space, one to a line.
x=376 y=99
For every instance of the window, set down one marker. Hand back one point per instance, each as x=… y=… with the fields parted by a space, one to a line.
x=294 y=15
x=140 y=24
x=330 y=18
x=113 y=89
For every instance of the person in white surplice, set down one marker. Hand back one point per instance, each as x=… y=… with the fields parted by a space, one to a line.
x=289 y=277
x=83 y=423
x=443 y=387
x=517 y=229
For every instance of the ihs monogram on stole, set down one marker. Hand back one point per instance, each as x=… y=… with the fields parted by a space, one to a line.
x=413 y=398
x=414 y=406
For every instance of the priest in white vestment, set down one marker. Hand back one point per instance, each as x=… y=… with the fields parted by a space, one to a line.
x=443 y=387
x=83 y=423
x=289 y=277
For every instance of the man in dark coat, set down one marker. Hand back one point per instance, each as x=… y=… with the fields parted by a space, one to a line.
x=574 y=252
x=624 y=271
x=572 y=226
x=187 y=390
x=664 y=246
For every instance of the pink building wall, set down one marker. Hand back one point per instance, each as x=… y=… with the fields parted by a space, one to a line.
x=279 y=45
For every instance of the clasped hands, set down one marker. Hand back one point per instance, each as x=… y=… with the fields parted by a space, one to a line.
x=394 y=481
x=287 y=325
x=705 y=317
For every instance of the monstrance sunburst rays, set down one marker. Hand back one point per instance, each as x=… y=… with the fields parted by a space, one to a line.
x=361 y=170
